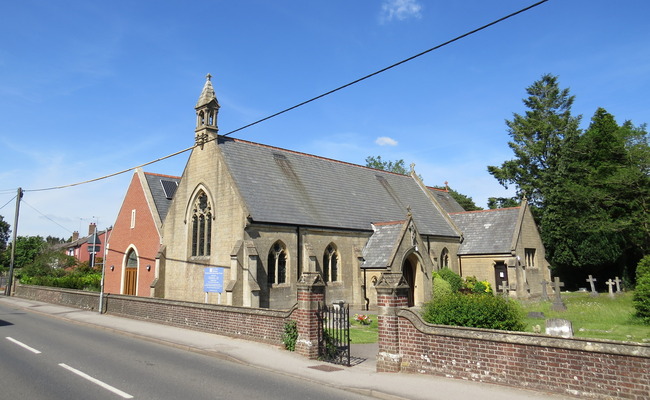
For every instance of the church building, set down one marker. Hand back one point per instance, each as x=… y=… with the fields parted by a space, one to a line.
x=264 y=215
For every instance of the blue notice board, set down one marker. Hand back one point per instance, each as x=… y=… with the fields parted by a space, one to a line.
x=213 y=279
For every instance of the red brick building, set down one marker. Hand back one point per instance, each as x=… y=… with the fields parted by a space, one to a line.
x=135 y=241
x=81 y=248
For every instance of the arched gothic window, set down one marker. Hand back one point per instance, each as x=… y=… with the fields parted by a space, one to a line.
x=201 y=226
x=277 y=263
x=331 y=264
x=444 y=258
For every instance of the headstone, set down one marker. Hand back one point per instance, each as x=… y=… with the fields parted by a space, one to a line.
x=610 y=283
x=558 y=304
x=504 y=288
x=591 y=281
x=544 y=284
x=618 y=285
x=559 y=327
x=536 y=314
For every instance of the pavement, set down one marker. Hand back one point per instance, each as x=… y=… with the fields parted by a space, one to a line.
x=361 y=377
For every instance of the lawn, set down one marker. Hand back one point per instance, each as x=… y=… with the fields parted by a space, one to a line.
x=360 y=333
x=598 y=317
x=592 y=317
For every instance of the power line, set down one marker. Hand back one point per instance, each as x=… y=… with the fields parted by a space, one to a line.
x=306 y=101
x=46 y=217
x=12 y=199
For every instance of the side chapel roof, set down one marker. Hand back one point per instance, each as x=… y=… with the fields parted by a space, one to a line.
x=162 y=188
x=287 y=187
x=487 y=231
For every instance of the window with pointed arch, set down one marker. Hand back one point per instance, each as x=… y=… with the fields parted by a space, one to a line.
x=331 y=264
x=444 y=258
x=277 y=263
x=201 y=226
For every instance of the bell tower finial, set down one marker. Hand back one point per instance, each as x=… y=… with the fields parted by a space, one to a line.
x=207 y=109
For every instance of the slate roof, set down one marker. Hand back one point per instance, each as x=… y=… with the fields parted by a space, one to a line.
x=448 y=203
x=283 y=186
x=487 y=231
x=160 y=198
x=380 y=245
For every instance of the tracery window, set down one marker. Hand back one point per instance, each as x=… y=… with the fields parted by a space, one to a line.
x=331 y=264
x=201 y=226
x=277 y=263
x=444 y=258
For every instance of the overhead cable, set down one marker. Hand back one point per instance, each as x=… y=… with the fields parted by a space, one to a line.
x=306 y=101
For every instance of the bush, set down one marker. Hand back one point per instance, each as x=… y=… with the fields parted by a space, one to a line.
x=475 y=286
x=476 y=311
x=641 y=298
x=441 y=287
x=455 y=281
x=290 y=336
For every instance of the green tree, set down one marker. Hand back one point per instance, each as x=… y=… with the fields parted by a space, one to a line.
x=28 y=248
x=4 y=238
x=596 y=214
x=537 y=138
x=502 y=202
x=391 y=166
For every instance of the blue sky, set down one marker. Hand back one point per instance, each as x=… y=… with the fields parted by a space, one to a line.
x=89 y=88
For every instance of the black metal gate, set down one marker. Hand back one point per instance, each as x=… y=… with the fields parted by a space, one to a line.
x=334 y=333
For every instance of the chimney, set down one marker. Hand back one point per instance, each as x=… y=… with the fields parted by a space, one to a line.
x=75 y=236
x=92 y=228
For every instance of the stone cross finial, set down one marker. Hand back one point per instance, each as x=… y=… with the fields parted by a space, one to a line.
x=412 y=167
x=208 y=76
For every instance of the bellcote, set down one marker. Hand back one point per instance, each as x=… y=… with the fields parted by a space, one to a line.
x=207 y=108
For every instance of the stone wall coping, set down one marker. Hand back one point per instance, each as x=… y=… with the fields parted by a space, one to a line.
x=526 y=338
x=215 y=307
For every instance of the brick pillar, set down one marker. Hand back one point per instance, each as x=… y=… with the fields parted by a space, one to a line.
x=311 y=292
x=392 y=295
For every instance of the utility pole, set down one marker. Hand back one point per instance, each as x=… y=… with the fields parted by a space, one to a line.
x=19 y=196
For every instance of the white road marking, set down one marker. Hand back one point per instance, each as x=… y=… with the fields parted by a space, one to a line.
x=97 y=382
x=23 y=345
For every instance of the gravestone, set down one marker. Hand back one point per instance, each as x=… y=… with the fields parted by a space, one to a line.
x=610 y=283
x=544 y=284
x=559 y=327
x=558 y=304
x=618 y=285
x=536 y=314
x=591 y=281
x=533 y=279
x=504 y=288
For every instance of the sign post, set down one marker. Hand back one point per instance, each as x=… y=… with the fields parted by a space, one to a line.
x=213 y=281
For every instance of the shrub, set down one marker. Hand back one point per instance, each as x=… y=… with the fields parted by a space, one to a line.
x=475 y=286
x=455 y=281
x=441 y=287
x=641 y=298
x=477 y=311
x=290 y=336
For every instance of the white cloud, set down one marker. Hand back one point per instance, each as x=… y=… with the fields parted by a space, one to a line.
x=386 y=141
x=400 y=10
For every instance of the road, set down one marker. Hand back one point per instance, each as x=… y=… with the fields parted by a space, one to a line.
x=42 y=357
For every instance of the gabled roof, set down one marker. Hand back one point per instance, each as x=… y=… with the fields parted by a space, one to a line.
x=162 y=188
x=381 y=244
x=487 y=231
x=448 y=203
x=287 y=187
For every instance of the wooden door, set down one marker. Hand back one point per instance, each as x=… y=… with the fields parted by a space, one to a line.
x=130 y=281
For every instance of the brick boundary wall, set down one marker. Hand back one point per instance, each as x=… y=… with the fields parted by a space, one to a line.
x=261 y=325
x=576 y=367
